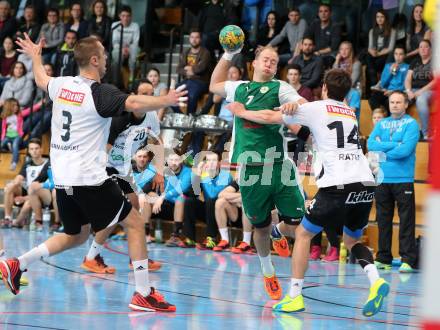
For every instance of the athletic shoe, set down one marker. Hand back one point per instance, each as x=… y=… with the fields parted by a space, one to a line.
x=221 y=246
x=23 y=280
x=383 y=266
x=208 y=244
x=97 y=265
x=243 y=247
x=17 y=224
x=11 y=274
x=173 y=241
x=187 y=243
x=5 y=223
x=315 y=252
x=59 y=230
x=153 y=302
x=273 y=287
x=38 y=225
x=55 y=227
x=333 y=255
x=405 y=268
x=290 y=305
x=153 y=266
x=378 y=291
x=281 y=246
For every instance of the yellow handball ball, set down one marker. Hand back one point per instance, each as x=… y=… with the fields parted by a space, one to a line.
x=231 y=38
x=429 y=12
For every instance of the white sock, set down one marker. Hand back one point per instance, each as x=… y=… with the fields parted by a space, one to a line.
x=267 y=266
x=33 y=255
x=140 y=269
x=224 y=234
x=279 y=227
x=94 y=250
x=296 y=286
x=247 y=236
x=372 y=273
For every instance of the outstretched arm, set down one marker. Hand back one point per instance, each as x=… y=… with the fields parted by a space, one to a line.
x=28 y=47
x=260 y=116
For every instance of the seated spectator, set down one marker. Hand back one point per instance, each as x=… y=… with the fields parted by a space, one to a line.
x=418 y=31
x=212 y=20
x=326 y=35
x=294 y=31
x=52 y=34
x=311 y=65
x=16 y=191
x=212 y=181
x=397 y=182
x=100 y=24
x=228 y=207
x=153 y=75
x=65 y=64
x=18 y=86
x=77 y=22
x=347 y=61
x=8 y=24
x=392 y=78
x=8 y=56
x=270 y=28
x=381 y=41
x=195 y=68
x=377 y=115
x=29 y=24
x=294 y=79
x=12 y=130
x=419 y=82
x=129 y=42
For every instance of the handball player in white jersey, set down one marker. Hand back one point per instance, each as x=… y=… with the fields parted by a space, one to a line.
x=345 y=182
x=86 y=196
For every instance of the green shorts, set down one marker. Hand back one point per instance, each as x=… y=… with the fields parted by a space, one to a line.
x=264 y=188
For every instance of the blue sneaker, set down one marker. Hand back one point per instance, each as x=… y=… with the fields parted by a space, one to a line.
x=378 y=291
x=405 y=268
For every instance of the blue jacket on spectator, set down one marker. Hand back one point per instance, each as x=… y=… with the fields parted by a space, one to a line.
x=144 y=177
x=394 y=82
x=213 y=186
x=397 y=139
x=176 y=185
x=354 y=101
x=49 y=184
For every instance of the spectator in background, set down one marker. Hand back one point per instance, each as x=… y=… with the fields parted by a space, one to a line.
x=294 y=79
x=39 y=8
x=195 y=68
x=18 y=86
x=29 y=24
x=294 y=31
x=396 y=137
x=381 y=41
x=65 y=64
x=212 y=20
x=270 y=28
x=418 y=31
x=153 y=75
x=8 y=24
x=52 y=34
x=129 y=42
x=392 y=79
x=347 y=61
x=311 y=65
x=326 y=35
x=12 y=130
x=100 y=24
x=77 y=22
x=419 y=82
x=377 y=115
x=8 y=56
x=353 y=99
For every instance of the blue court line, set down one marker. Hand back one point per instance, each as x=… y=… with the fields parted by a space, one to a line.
x=31 y=326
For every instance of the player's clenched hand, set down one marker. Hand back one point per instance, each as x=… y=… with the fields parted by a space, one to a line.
x=236 y=108
x=177 y=96
x=28 y=47
x=288 y=108
x=158 y=183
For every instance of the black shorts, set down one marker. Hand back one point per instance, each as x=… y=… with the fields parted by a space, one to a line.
x=101 y=206
x=335 y=208
x=126 y=183
x=166 y=211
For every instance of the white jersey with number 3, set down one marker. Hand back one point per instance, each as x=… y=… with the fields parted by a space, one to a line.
x=335 y=137
x=80 y=127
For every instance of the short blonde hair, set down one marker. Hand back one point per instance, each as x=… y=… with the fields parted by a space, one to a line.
x=259 y=51
x=380 y=110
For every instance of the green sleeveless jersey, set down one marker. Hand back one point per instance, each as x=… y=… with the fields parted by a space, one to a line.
x=254 y=143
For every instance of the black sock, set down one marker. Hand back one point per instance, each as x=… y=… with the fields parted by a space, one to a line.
x=362 y=254
x=177 y=228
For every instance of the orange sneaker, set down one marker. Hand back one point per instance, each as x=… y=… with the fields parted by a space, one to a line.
x=243 y=247
x=153 y=302
x=273 y=287
x=97 y=265
x=153 y=266
x=221 y=246
x=281 y=246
